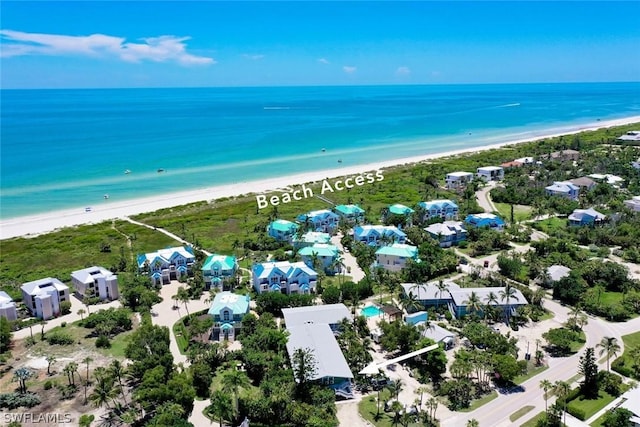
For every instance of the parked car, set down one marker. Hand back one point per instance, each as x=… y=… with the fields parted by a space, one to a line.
x=380 y=383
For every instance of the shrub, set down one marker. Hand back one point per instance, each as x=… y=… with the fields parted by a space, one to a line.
x=63 y=325
x=17 y=400
x=103 y=342
x=48 y=384
x=65 y=307
x=579 y=413
x=59 y=338
x=611 y=383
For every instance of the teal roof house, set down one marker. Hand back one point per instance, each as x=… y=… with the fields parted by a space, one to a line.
x=285 y=277
x=352 y=214
x=375 y=235
x=227 y=310
x=445 y=209
x=282 y=230
x=168 y=264
x=398 y=209
x=321 y=220
x=310 y=238
x=327 y=256
x=217 y=268
x=394 y=257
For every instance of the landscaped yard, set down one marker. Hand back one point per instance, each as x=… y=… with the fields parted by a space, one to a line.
x=552 y=225
x=368 y=410
x=624 y=363
x=590 y=406
x=532 y=422
x=475 y=404
x=520 y=212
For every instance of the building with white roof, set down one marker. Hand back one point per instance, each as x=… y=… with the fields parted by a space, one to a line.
x=43 y=297
x=443 y=208
x=7 y=307
x=613 y=180
x=460 y=299
x=566 y=189
x=95 y=282
x=458 y=180
x=429 y=294
x=557 y=272
x=447 y=233
x=326 y=314
x=633 y=203
x=490 y=173
x=581 y=217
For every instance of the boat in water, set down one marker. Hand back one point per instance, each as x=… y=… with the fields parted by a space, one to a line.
x=127 y=172
x=106 y=196
x=160 y=170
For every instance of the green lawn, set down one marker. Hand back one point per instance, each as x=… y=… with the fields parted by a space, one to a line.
x=607 y=298
x=520 y=212
x=531 y=372
x=532 y=422
x=591 y=406
x=579 y=343
x=118 y=345
x=475 y=404
x=552 y=225
x=626 y=361
x=521 y=412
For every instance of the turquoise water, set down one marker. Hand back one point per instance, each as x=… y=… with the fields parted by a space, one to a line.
x=371 y=311
x=67 y=148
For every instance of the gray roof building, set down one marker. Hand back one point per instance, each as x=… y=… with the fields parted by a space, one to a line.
x=327 y=314
x=437 y=333
x=460 y=296
x=429 y=291
x=557 y=272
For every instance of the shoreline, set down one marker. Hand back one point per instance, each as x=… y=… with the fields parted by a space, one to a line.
x=33 y=225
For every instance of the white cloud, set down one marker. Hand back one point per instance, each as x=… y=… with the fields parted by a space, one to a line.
x=323 y=60
x=253 y=57
x=157 y=49
x=348 y=69
x=403 y=71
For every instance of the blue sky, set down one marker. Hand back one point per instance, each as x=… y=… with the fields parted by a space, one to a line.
x=89 y=44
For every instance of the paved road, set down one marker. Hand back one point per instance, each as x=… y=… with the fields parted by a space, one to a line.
x=482 y=196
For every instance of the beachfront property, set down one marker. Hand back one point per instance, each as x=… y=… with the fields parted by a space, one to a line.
x=218 y=268
x=351 y=214
x=582 y=217
x=631 y=136
x=310 y=238
x=325 y=255
x=565 y=189
x=43 y=297
x=323 y=220
x=444 y=208
x=458 y=180
x=7 y=307
x=428 y=294
x=395 y=256
x=227 y=311
x=488 y=220
x=448 y=233
x=95 y=282
x=282 y=230
x=613 y=180
x=633 y=203
x=490 y=173
x=584 y=183
x=460 y=300
x=284 y=276
x=167 y=264
x=375 y=235
x=563 y=156
x=325 y=314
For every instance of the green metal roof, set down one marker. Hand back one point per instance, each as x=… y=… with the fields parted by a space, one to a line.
x=349 y=209
x=222 y=262
x=320 y=249
x=239 y=304
x=400 y=250
x=283 y=225
x=399 y=209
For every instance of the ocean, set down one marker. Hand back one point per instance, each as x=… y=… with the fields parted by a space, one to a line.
x=63 y=149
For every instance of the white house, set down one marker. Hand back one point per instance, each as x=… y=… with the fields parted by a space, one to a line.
x=322 y=220
x=394 y=257
x=458 y=180
x=7 y=307
x=490 y=173
x=95 y=282
x=613 y=180
x=633 y=203
x=167 y=264
x=285 y=277
x=43 y=297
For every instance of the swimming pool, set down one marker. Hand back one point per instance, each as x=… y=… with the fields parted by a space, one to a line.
x=371 y=311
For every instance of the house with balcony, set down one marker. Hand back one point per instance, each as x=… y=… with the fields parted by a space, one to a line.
x=351 y=214
x=583 y=217
x=487 y=220
x=375 y=235
x=167 y=264
x=445 y=209
x=7 y=307
x=448 y=233
x=227 y=311
x=95 y=282
x=327 y=256
x=633 y=203
x=43 y=297
x=460 y=300
x=458 y=180
x=428 y=294
x=584 y=183
x=400 y=211
x=565 y=189
x=310 y=238
x=490 y=173
x=285 y=277
x=218 y=268
x=395 y=256
x=323 y=220
x=282 y=230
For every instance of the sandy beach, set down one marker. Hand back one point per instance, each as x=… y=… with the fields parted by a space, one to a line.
x=43 y=223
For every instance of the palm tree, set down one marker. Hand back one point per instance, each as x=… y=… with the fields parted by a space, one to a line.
x=562 y=389
x=50 y=361
x=546 y=385
x=183 y=296
x=232 y=381
x=432 y=405
x=473 y=303
x=508 y=293
x=22 y=375
x=490 y=301
x=81 y=313
x=117 y=370
x=221 y=406
x=410 y=303
x=395 y=387
x=473 y=423
x=103 y=391
x=421 y=391
x=442 y=287
x=86 y=360
x=610 y=347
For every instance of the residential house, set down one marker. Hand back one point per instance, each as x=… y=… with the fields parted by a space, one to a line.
x=555 y=273
x=327 y=257
x=630 y=400
x=613 y=180
x=581 y=217
x=631 y=136
x=167 y=264
x=216 y=268
x=491 y=221
x=633 y=203
x=351 y=214
x=395 y=256
x=584 y=183
x=460 y=300
x=374 y=235
x=428 y=294
x=448 y=233
x=445 y=209
x=285 y=277
x=326 y=314
x=564 y=189
x=511 y=164
x=7 y=307
x=458 y=180
x=525 y=160
x=282 y=230
x=310 y=238
x=400 y=211
x=43 y=297
x=490 y=173
x=322 y=220
x=95 y=282
x=437 y=333
x=563 y=156
x=227 y=311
